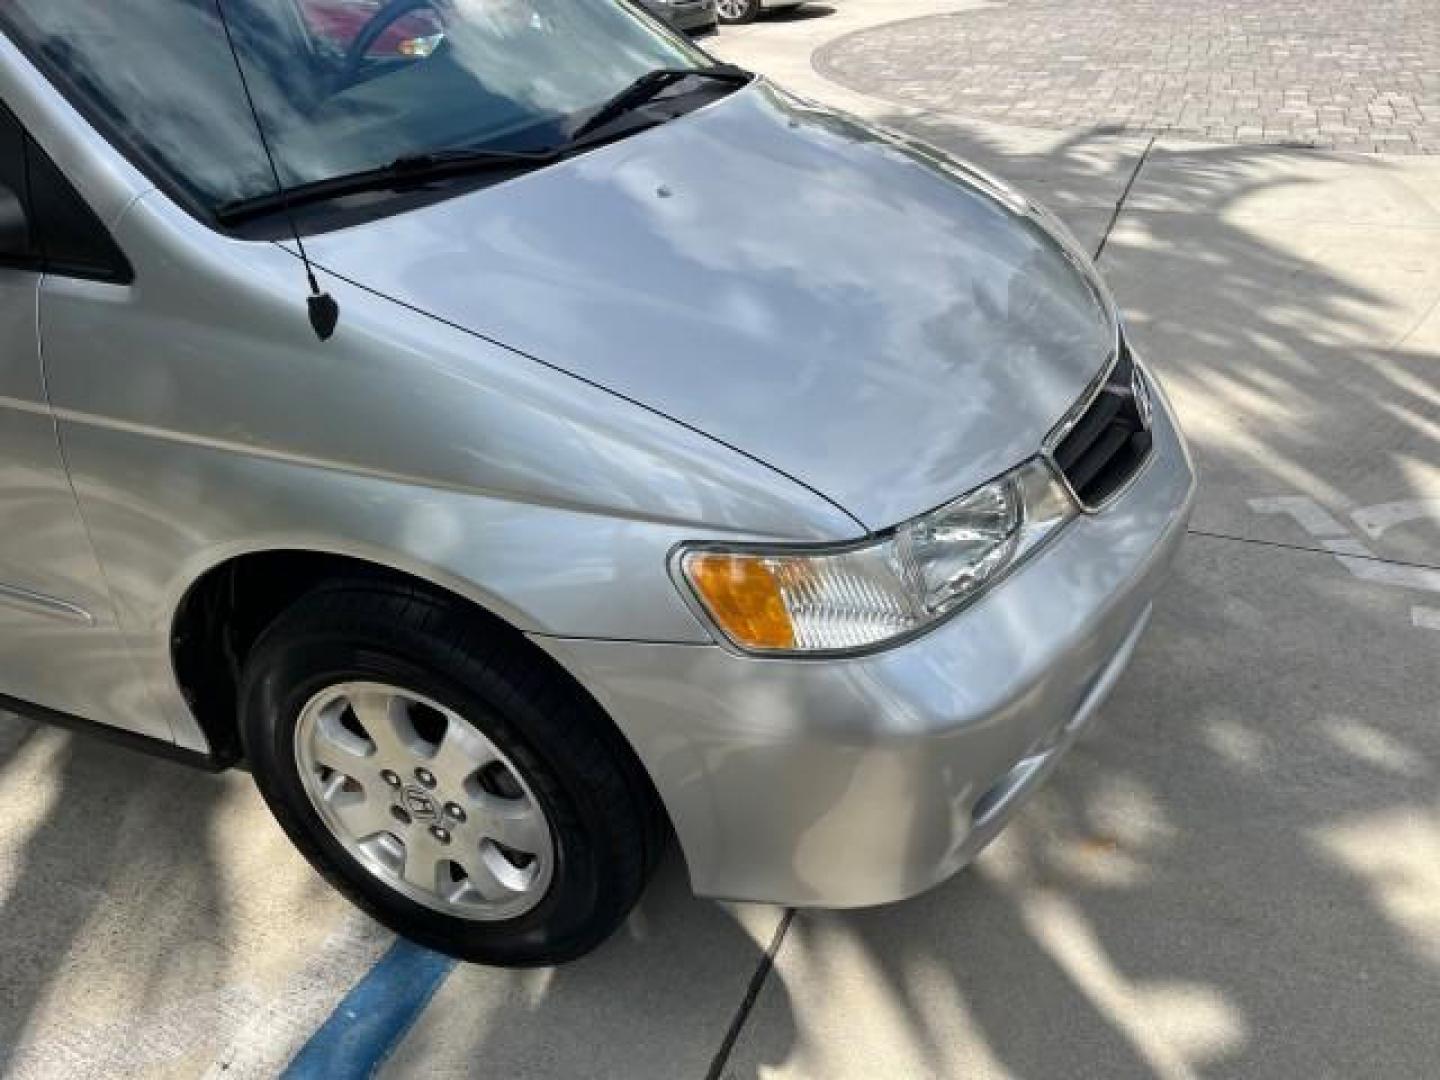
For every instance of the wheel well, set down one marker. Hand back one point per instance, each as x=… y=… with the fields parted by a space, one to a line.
x=225 y=612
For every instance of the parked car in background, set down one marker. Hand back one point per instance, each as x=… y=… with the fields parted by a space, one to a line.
x=524 y=450
x=336 y=25
x=692 y=16
x=744 y=11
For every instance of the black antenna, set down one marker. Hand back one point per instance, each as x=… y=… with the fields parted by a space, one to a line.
x=324 y=311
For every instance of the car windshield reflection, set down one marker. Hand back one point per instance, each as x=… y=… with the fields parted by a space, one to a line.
x=341 y=86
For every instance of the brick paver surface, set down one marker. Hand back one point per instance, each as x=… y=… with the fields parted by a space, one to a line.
x=1335 y=73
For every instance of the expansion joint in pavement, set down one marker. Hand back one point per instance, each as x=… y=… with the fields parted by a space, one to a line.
x=1307 y=549
x=1120 y=203
x=752 y=994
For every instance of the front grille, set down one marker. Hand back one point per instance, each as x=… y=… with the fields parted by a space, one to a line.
x=1110 y=440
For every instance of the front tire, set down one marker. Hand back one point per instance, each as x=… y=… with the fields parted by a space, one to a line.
x=446 y=777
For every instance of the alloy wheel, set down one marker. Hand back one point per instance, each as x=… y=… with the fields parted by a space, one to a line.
x=733 y=10
x=424 y=801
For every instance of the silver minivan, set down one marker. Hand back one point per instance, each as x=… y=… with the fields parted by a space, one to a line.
x=521 y=447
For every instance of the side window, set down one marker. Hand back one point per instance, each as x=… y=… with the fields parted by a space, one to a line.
x=71 y=239
x=15 y=242
x=44 y=224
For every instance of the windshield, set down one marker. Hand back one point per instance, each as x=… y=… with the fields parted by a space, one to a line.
x=341 y=85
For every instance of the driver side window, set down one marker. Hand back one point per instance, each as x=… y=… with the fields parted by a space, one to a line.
x=16 y=247
x=44 y=223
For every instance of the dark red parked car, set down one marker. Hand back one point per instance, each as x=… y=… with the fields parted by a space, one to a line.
x=337 y=23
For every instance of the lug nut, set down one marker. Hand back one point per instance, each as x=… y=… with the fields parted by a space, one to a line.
x=425 y=777
x=400 y=814
x=390 y=778
x=443 y=835
x=455 y=812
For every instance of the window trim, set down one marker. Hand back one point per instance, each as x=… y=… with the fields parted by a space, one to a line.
x=119 y=272
x=29 y=261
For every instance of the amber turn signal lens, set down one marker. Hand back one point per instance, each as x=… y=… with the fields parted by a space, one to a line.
x=743 y=597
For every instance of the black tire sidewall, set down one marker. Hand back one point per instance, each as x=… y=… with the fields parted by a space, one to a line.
x=289 y=668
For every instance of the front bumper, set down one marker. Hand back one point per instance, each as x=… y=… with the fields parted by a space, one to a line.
x=842 y=783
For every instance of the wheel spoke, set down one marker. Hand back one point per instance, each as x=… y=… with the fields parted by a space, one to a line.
x=384 y=718
x=360 y=813
x=516 y=823
x=422 y=864
x=491 y=877
x=339 y=762
x=462 y=753
x=479 y=882
x=337 y=749
x=434 y=810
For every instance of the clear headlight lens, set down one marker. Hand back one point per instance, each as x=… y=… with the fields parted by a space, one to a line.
x=959 y=547
x=853 y=598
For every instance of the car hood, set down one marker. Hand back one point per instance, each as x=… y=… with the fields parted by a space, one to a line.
x=856 y=311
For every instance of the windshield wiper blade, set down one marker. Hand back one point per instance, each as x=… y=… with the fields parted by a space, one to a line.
x=412 y=169
x=650 y=85
x=422 y=168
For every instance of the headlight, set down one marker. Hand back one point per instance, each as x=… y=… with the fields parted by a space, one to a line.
x=849 y=599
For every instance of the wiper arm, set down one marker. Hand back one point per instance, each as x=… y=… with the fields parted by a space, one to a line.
x=402 y=172
x=650 y=85
x=422 y=168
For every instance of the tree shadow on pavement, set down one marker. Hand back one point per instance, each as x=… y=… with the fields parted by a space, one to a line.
x=110 y=901
x=1283 y=296
x=653 y=1002
x=1235 y=876
x=1238 y=874
x=800 y=13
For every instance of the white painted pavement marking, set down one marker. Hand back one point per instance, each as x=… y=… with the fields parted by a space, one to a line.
x=1313 y=517
x=1427 y=618
x=1376 y=519
x=1354 y=555
x=1402 y=577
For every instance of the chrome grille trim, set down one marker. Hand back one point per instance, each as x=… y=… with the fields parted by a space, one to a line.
x=1082 y=409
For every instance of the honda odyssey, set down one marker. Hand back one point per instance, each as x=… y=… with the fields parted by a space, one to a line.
x=522 y=449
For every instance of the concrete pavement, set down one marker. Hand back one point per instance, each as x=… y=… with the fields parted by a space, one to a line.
x=154 y=921
x=1237 y=875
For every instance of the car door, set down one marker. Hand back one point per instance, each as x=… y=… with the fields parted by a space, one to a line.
x=60 y=647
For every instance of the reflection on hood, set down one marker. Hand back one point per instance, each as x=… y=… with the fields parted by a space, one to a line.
x=799 y=288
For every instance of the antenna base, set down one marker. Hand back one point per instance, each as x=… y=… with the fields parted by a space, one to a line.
x=324 y=314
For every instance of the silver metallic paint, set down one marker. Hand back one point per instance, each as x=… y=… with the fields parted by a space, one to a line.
x=60 y=646
x=852 y=782
x=217 y=426
x=612 y=371
x=891 y=365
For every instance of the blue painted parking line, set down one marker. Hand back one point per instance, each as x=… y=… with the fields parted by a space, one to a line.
x=372 y=1019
